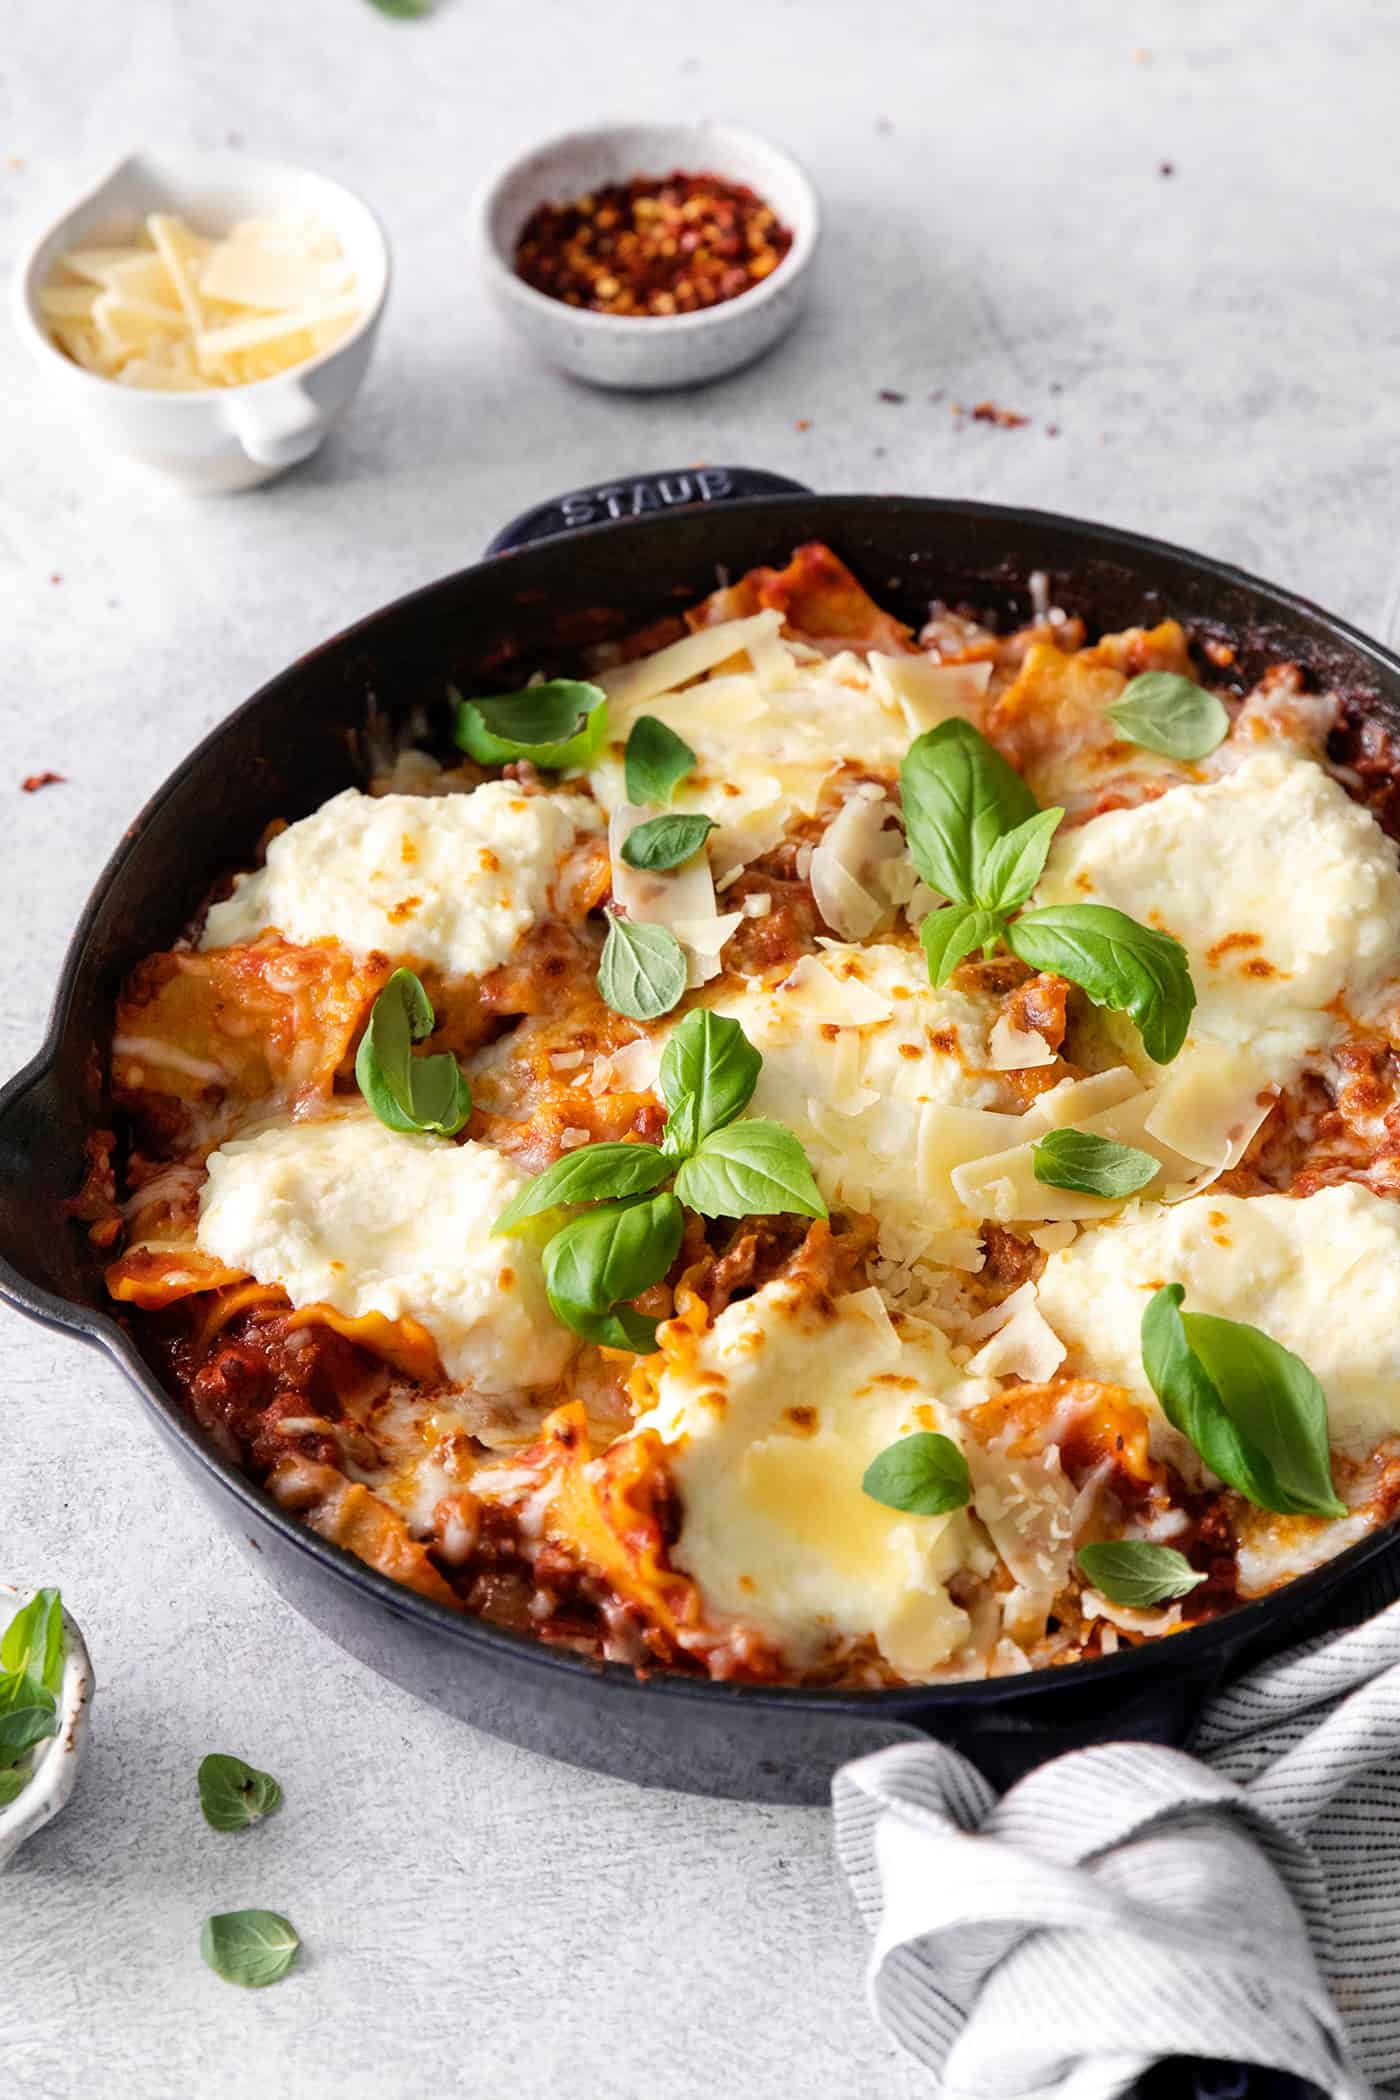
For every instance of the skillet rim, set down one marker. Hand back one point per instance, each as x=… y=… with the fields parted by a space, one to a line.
x=1193 y=1648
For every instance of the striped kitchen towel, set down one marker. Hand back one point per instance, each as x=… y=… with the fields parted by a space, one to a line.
x=1129 y=1903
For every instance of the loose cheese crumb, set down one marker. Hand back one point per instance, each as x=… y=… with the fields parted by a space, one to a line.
x=345 y=1213
x=448 y=880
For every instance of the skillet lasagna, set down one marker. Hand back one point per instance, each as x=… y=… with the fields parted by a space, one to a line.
x=818 y=1153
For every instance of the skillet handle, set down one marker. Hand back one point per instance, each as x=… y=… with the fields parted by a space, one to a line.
x=608 y=501
x=35 y=1231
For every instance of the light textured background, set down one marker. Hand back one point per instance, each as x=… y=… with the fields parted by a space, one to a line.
x=1218 y=350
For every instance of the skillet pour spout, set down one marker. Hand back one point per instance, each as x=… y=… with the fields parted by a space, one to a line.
x=581 y=568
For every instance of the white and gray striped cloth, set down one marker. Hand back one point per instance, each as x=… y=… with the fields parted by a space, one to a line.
x=1129 y=1903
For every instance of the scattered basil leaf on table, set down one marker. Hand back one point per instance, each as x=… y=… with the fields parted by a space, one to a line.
x=924 y=1473
x=1014 y=865
x=403 y=10
x=666 y=842
x=960 y=796
x=409 y=1093
x=709 y=1070
x=592 y=1174
x=249 y=1947
x=1252 y=1409
x=1164 y=712
x=755 y=1167
x=1130 y=968
x=642 y=973
x=610 y=1254
x=655 y=762
x=1137 y=1573
x=558 y=725
x=949 y=936
x=234 y=1795
x=1078 y=1159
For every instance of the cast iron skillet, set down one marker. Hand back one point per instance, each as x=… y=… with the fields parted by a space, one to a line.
x=600 y=561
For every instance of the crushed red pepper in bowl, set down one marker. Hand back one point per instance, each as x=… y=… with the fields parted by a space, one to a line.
x=652 y=247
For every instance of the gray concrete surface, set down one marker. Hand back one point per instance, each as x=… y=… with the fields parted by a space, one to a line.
x=1217 y=348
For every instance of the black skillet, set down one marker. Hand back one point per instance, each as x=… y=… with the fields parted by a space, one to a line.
x=598 y=562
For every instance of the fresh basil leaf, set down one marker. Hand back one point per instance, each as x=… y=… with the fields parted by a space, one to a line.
x=605 y=1256
x=589 y=1175
x=403 y=10
x=12 y=1785
x=642 y=973
x=666 y=842
x=1137 y=1573
x=1164 y=712
x=960 y=796
x=28 y=1714
x=751 y=1169
x=409 y=1093
x=1077 y=1159
x=558 y=726
x=957 y=931
x=1013 y=865
x=709 y=1070
x=234 y=1795
x=1130 y=968
x=249 y=1947
x=622 y=1328
x=33 y=1641
x=655 y=762
x=1252 y=1409
x=924 y=1473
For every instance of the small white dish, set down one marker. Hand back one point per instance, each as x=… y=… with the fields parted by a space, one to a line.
x=56 y=1760
x=649 y=352
x=227 y=437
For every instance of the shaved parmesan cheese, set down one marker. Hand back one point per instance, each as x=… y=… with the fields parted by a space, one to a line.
x=680 y=898
x=821 y=995
x=846 y=864
x=1017 y=1049
x=927 y=693
x=630 y=686
x=181 y=312
x=1022 y=1345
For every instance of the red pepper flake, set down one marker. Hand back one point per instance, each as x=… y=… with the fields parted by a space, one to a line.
x=652 y=246
x=57 y=576
x=1004 y=418
x=32 y=782
x=803 y=423
x=887 y=393
x=1052 y=430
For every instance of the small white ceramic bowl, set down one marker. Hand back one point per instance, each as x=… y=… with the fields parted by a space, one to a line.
x=227 y=437
x=56 y=1760
x=647 y=353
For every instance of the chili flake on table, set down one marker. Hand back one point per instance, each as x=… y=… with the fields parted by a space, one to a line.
x=652 y=246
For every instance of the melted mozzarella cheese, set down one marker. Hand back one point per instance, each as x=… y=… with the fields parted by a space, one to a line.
x=345 y=1213
x=450 y=880
x=1285 y=894
x=1320 y=1274
x=876 y=1072
x=766 y=739
x=771 y=1418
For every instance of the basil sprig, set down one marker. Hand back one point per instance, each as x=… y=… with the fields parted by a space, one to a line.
x=233 y=1795
x=722 y=1168
x=1095 y=1166
x=249 y=1947
x=655 y=762
x=667 y=841
x=1252 y=1409
x=31 y=1677
x=642 y=972
x=1164 y=712
x=559 y=725
x=976 y=835
x=1137 y=1573
x=924 y=1473
x=409 y=1093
